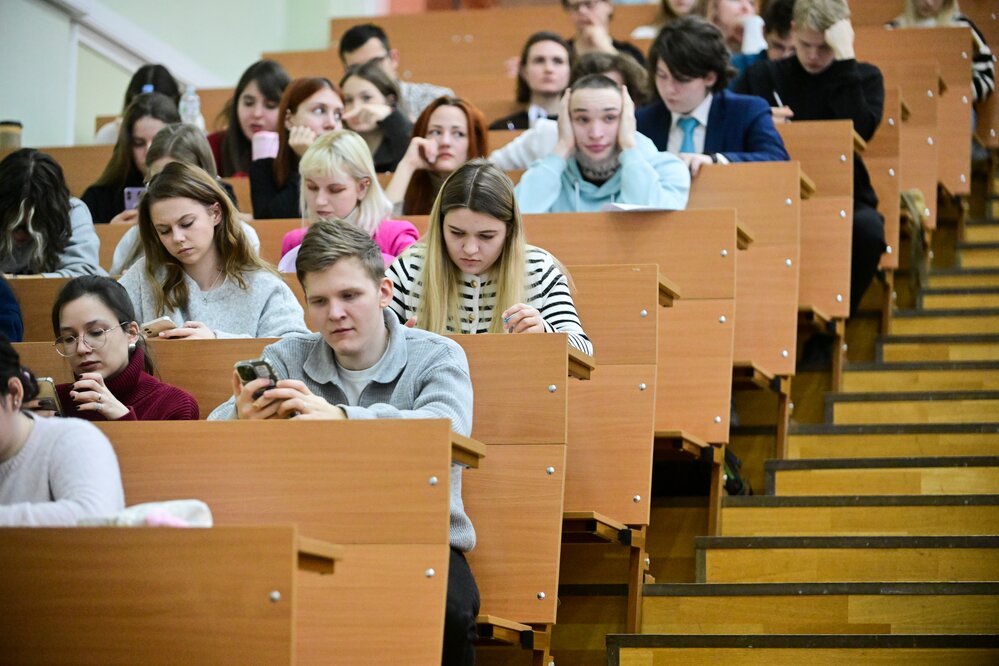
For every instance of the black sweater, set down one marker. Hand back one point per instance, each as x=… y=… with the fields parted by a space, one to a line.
x=270 y=201
x=846 y=90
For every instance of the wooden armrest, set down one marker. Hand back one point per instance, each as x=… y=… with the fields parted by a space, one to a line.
x=743 y=235
x=593 y=527
x=669 y=291
x=859 y=145
x=681 y=445
x=500 y=631
x=466 y=451
x=807 y=186
x=580 y=364
x=746 y=374
x=318 y=556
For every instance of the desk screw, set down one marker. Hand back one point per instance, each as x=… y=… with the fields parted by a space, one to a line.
x=275 y=596
x=551 y=388
x=433 y=480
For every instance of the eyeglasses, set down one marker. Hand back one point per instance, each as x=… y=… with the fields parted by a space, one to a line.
x=574 y=7
x=66 y=345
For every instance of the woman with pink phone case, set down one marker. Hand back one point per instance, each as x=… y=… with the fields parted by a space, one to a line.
x=144 y=117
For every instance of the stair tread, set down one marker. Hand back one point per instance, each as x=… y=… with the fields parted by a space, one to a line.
x=804 y=501
x=806 y=589
x=892 y=428
x=860 y=641
x=822 y=542
x=905 y=462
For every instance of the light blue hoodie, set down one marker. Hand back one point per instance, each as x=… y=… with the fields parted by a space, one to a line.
x=646 y=177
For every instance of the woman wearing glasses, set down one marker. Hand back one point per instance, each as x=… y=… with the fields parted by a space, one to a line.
x=98 y=336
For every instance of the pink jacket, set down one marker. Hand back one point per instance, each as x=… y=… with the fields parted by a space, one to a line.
x=392 y=236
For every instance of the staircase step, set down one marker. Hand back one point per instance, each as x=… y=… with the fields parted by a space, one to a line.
x=815 y=650
x=861 y=515
x=959 y=278
x=982 y=233
x=821 y=608
x=950 y=475
x=913 y=407
x=913 y=348
x=886 y=441
x=945 y=322
x=847 y=559
x=927 y=376
x=978 y=255
x=969 y=298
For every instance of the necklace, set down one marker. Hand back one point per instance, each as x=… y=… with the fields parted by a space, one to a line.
x=204 y=294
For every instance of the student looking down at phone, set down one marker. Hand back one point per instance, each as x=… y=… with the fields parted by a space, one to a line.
x=96 y=332
x=364 y=364
x=43 y=231
x=199 y=268
x=475 y=273
x=309 y=108
x=53 y=472
x=144 y=117
x=174 y=143
x=448 y=133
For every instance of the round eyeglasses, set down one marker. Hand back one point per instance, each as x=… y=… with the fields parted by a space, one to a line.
x=67 y=345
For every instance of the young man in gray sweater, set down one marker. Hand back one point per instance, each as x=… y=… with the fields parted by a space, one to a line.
x=364 y=364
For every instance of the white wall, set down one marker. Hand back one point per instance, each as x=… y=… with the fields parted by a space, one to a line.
x=223 y=37
x=34 y=79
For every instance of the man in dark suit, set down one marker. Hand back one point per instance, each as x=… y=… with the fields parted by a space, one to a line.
x=695 y=117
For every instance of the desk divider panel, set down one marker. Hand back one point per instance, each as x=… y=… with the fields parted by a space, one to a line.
x=152 y=596
x=379 y=488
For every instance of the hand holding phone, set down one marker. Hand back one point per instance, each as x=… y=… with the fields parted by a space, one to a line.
x=48 y=398
x=132 y=196
x=152 y=329
x=258 y=368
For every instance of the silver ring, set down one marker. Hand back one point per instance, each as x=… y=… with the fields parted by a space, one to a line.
x=100 y=407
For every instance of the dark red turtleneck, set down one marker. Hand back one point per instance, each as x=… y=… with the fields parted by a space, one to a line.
x=147 y=398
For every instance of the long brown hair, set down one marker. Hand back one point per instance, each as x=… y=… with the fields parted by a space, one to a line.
x=186 y=181
x=299 y=90
x=421 y=192
x=121 y=168
x=271 y=80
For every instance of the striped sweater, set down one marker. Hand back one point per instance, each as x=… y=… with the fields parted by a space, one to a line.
x=546 y=287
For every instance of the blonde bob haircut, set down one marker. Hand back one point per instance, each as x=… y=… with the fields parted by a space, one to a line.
x=344 y=152
x=482 y=188
x=910 y=17
x=819 y=15
x=178 y=180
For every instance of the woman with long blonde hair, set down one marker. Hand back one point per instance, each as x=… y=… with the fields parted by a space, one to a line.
x=199 y=269
x=475 y=273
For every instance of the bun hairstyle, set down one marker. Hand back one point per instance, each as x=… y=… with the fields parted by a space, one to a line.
x=10 y=367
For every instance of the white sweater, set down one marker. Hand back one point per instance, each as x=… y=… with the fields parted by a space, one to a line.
x=66 y=471
x=266 y=309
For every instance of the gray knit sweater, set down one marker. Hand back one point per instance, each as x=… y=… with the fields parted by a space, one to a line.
x=65 y=471
x=266 y=309
x=422 y=376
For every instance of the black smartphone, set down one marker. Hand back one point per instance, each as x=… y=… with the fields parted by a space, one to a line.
x=257 y=368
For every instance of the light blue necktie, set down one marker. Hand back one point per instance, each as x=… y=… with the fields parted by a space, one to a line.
x=688 y=125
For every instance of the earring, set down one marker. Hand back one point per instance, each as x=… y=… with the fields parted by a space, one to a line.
x=131 y=346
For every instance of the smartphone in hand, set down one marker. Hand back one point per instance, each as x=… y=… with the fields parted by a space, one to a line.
x=132 y=196
x=257 y=368
x=48 y=399
x=152 y=329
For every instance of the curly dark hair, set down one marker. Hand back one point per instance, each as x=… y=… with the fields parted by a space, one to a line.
x=34 y=199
